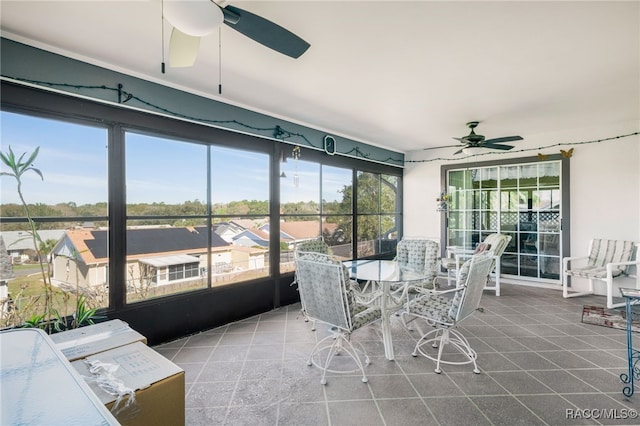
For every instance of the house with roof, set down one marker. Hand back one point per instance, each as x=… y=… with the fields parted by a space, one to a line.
x=20 y=246
x=293 y=232
x=156 y=257
x=251 y=238
x=228 y=230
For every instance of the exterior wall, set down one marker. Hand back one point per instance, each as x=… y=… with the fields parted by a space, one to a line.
x=67 y=273
x=256 y=261
x=218 y=257
x=604 y=182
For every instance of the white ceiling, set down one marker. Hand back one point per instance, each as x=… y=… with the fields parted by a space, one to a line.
x=403 y=75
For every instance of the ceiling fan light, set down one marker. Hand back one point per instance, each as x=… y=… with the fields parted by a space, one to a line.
x=183 y=49
x=193 y=17
x=473 y=150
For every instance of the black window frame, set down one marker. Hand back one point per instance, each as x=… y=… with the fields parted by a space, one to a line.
x=176 y=315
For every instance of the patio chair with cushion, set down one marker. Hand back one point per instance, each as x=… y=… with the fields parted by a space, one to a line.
x=444 y=311
x=316 y=245
x=421 y=255
x=328 y=297
x=494 y=245
x=607 y=260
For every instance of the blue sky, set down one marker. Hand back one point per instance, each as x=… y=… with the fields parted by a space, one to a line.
x=73 y=160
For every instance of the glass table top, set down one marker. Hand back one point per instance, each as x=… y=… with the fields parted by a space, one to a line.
x=382 y=271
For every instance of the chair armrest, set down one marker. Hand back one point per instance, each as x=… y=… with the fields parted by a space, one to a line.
x=458 y=249
x=451 y=290
x=366 y=298
x=566 y=260
x=426 y=292
x=627 y=263
x=461 y=257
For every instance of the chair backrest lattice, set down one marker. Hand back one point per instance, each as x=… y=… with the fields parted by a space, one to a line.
x=323 y=289
x=317 y=246
x=474 y=274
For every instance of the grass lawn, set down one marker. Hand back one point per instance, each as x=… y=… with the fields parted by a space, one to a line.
x=27 y=293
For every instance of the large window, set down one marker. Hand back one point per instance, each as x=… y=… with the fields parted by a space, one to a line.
x=166 y=182
x=168 y=221
x=377 y=213
x=523 y=200
x=336 y=210
x=240 y=203
x=315 y=202
x=68 y=205
x=168 y=215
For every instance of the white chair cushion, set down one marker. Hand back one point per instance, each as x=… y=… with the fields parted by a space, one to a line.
x=594 y=272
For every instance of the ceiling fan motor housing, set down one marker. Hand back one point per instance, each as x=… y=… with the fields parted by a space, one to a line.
x=473 y=138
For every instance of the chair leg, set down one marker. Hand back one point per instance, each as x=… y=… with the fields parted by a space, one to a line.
x=565 y=288
x=440 y=337
x=443 y=341
x=462 y=344
x=497 y=277
x=306 y=319
x=339 y=343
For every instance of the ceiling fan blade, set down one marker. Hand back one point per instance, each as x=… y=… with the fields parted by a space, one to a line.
x=438 y=147
x=504 y=139
x=458 y=152
x=496 y=146
x=183 y=49
x=265 y=32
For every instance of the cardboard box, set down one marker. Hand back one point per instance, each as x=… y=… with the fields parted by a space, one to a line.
x=92 y=339
x=158 y=384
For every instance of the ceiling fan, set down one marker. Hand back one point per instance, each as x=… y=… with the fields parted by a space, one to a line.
x=193 y=19
x=475 y=143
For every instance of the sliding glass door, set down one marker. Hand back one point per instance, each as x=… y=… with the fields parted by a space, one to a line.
x=522 y=200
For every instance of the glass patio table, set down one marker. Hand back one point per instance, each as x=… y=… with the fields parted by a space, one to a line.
x=382 y=275
x=40 y=386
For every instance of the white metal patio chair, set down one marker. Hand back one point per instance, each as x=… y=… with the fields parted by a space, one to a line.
x=420 y=255
x=493 y=244
x=606 y=261
x=444 y=311
x=317 y=245
x=328 y=297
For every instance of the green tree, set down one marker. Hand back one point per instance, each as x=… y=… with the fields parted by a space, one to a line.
x=376 y=194
x=46 y=247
